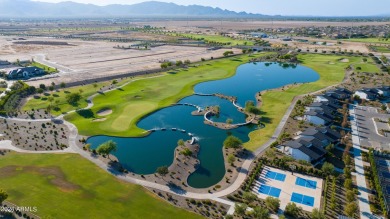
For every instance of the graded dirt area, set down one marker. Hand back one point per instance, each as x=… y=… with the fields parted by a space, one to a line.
x=95 y=59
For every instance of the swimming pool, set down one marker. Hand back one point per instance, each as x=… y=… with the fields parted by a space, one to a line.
x=302 y=199
x=275 y=175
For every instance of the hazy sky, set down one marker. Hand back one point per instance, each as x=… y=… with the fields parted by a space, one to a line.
x=279 y=7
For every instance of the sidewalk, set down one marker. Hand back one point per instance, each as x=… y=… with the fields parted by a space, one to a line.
x=364 y=206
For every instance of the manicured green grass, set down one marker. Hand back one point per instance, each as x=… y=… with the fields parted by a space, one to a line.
x=142 y=97
x=382 y=49
x=43 y=103
x=68 y=186
x=276 y=103
x=368 y=66
x=63 y=106
x=369 y=40
x=219 y=39
x=48 y=69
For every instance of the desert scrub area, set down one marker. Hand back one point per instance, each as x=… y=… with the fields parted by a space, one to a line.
x=35 y=136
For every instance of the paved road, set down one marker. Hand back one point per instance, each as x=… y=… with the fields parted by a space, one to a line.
x=364 y=206
x=41 y=58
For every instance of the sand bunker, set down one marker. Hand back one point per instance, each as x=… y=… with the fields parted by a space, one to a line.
x=99 y=120
x=104 y=112
x=344 y=60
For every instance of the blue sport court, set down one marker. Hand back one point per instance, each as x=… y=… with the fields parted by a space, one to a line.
x=386 y=175
x=306 y=183
x=269 y=190
x=302 y=199
x=276 y=176
x=388 y=189
x=384 y=163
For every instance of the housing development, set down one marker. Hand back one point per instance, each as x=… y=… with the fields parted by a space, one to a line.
x=160 y=110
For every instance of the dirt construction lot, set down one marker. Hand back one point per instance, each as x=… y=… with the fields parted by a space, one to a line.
x=83 y=60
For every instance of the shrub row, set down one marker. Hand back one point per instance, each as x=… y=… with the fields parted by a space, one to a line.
x=253 y=176
x=377 y=182
x=11 y=100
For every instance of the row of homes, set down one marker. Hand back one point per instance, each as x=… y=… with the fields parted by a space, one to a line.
x=333 y=32
x=310 y=144
x=373 y=93
x=324 y=109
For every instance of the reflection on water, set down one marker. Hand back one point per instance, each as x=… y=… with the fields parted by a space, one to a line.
x=144 y=155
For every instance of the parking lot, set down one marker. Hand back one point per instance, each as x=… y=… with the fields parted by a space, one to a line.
x=304 y=190
x=368 y=128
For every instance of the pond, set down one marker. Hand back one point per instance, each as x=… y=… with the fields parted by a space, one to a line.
x=145 y=155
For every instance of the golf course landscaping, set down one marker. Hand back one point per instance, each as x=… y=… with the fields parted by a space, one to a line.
x=117 y=113
x=142 y=97
x=64 y=185
x=369 y=40
x=331 y=69
x=139 y=98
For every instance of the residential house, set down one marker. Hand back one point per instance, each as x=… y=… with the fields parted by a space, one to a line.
x=322 y=105
x=308 y=150
x=384 y=91
x=326 y=136
x=3 y=62
x=258 y=35
x=319 y=117
x=334 y=135
x=326 y=98
x=340 y=93
x=367 y=94
x=26 y=72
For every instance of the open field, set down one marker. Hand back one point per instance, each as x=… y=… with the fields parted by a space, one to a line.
x=42 y=102
x=382 y=49
x=90 y=60
x=368 y=66
x=369 y=40
x=139 y=98
x=59 y=188
x=218 y=39
x=44 y=67
x=275 y=103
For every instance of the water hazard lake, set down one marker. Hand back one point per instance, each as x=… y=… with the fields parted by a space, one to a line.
x=145 y=155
